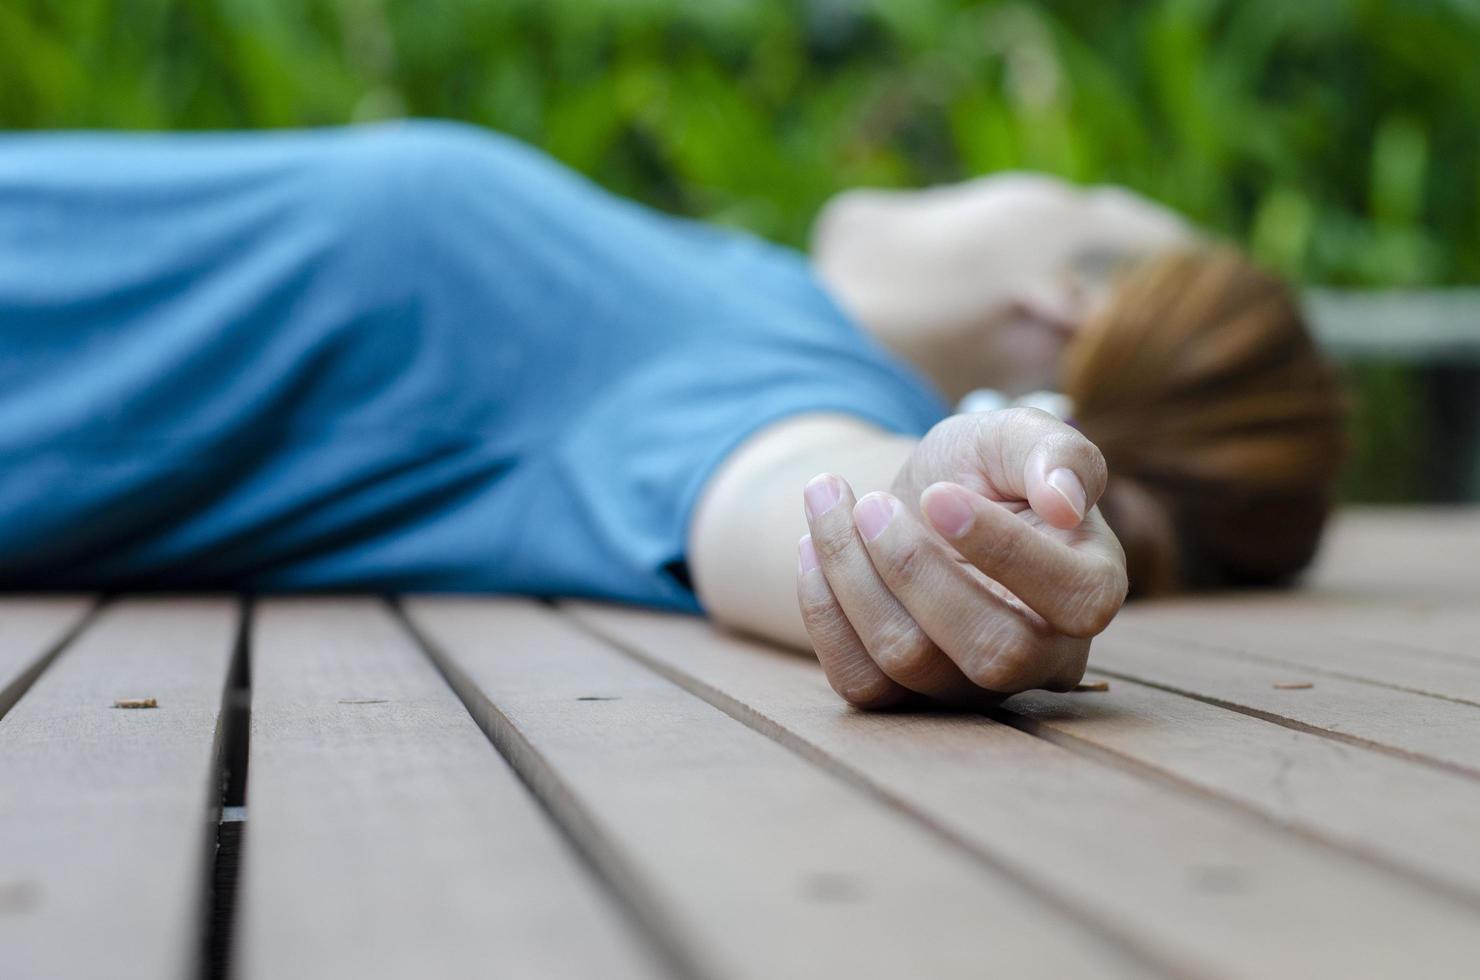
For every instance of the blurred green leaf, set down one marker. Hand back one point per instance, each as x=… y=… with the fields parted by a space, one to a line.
x=1334 y=138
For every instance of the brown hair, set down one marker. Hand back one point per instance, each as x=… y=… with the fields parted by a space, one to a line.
x=1202 y=386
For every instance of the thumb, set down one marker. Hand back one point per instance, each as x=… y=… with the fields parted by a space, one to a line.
x=1027 y=454
x=1056 y=493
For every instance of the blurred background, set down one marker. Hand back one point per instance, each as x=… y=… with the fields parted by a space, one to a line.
x=1336 y=139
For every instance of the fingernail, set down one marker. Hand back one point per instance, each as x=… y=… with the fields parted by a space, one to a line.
x=873 y=514
x=821 y=493
x=1069 y=487
x=806 y=555
x=949 y=509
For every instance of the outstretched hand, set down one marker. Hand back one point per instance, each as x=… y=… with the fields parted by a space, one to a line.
x=983 y=574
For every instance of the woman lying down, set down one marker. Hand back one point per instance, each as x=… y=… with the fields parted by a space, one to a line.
x=425 y=357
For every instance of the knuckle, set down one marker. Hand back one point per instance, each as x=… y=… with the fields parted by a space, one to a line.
x=820 y=612
x=1067 y=441
x=1071 y=673
x=869 y=690
x=831 y=538
x=994 y=548
x=827 y=627
x=1028 y=418
x=1004 y=661
x=1095 y=603
x=1099 y=470
x=902 y=651
x=1003 y=673
x=900 y=564
x=952 y=427
x=1035 y=416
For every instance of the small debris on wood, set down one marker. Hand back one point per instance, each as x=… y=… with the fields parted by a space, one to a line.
x=18 y=896
x=1092 y=686
x=1219 y=879
x=832 y=886
x=136 y=703
x=1293 y=686
x=362 y=700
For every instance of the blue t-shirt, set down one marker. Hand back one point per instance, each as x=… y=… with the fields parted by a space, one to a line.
x=405 y=357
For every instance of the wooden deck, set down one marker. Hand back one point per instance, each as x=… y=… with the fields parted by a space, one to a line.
x=1272 y=786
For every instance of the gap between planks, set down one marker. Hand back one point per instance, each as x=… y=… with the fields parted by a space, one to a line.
x=714 y=828
x=1441 y=856
x=108 y=812
x=1349 y=907
x=387 y=837
x=580 y=829
x=1269 y=640
x=33 y=633
x=1432 y=731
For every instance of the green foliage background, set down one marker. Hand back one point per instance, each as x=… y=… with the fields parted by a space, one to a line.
x=1337 y=139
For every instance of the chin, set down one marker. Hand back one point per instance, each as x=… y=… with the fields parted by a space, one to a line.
x=1029 y=357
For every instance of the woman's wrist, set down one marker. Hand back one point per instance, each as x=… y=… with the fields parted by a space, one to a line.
x=743 y=539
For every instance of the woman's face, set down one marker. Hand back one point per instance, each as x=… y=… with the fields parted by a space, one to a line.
x=982 y=284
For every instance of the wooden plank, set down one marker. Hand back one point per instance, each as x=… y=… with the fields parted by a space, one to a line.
x=31 y=631
x=753 y=861
x=106 y=814
x=385 y=837
x=1408 y=630
x=1394 y=554
x=1299 y=629
x=1410 y=817
x=1441 y=732
x=1398 y=587
x=1207 y=887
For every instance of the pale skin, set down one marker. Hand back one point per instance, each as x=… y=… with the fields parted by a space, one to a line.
x=969 y=564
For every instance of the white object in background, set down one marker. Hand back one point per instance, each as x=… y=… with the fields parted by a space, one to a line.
x=992 y=400
x=982 y=400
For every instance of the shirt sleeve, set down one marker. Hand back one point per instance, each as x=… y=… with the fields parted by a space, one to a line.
x=410 y=357
x=629 y=466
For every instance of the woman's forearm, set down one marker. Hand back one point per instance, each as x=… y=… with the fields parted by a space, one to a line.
x=743 y=540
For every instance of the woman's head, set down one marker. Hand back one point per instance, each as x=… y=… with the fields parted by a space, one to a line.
x=1221 y=422
x=1189 y=367
x=983 y=284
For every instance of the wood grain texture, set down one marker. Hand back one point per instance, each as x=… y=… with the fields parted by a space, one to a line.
x=1441 y=732
x=1394 y=600
x=753 y=861
x=106 y=814
x=1359 y=643
x=1415 y=818
x=385 y=837
x=30 y=631
x=1410 y=631
x=1390 y=555
x=1204 y=886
